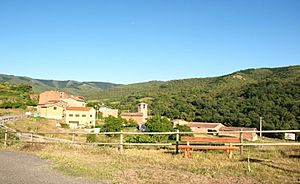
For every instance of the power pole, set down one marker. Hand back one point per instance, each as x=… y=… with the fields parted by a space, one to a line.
x=260 y=126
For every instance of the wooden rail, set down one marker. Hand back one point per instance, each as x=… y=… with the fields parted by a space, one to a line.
x=35 y=137
x=4 y=119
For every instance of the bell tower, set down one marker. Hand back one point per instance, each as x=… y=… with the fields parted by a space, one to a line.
x=143 y=108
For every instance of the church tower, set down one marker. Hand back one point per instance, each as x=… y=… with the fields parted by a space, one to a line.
x=143 y=108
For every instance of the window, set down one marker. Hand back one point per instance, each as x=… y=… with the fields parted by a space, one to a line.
x=77 y=115
x=83 y=115
x=70 y=115
x=54 y=108
x=91 y=115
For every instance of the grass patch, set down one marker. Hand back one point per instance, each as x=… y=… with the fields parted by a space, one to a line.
x=268 y=164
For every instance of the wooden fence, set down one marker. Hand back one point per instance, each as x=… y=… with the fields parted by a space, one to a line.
x=4 y=119
x=42 y=138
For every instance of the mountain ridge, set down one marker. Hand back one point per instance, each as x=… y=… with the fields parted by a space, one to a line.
x=104 y=90
x=71 y=86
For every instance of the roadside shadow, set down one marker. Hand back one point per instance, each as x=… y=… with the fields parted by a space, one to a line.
x=171 y=152
x=294 y=156
x=271 y=164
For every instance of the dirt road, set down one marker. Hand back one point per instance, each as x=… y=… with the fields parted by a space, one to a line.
x=23 y=168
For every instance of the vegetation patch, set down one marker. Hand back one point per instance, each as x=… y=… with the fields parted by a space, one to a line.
x=267 y=164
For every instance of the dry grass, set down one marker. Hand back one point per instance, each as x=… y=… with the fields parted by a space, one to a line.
x=6 y=112
x=268 y=165
x=40 y=125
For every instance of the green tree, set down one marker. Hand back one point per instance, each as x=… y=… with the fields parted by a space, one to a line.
x=130 y=123
x=159 y=124
x=112 y=124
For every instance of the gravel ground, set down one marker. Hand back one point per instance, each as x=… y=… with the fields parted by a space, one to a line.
x=23 y=168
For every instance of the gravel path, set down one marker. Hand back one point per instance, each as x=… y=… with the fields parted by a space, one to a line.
x=23 y=168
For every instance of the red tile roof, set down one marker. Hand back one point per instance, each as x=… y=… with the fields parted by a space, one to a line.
x=237 y=129
x=132 y=114
x=203 y=125
x=79 y=108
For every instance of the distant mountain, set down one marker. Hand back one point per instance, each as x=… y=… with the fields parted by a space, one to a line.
x=73 y=87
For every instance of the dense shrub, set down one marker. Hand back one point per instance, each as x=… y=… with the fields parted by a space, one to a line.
x=112 y=124
x=90 y=138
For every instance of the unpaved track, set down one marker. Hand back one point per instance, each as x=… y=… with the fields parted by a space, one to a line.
x=23 y=168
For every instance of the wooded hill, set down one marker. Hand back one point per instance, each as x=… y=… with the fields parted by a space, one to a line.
x=16 y=96
x=70 y=86
x=238 y=99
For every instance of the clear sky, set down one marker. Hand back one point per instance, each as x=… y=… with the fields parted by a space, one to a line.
x=127 y=41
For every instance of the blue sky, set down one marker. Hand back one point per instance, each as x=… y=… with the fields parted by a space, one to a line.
x=126 y=41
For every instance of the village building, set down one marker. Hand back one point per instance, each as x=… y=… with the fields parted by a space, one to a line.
x=80 y=117
x=52 y=104
x=139 y=117
x=47 y=96
x=218 y=128
x=53 y=109
x=200 y=127
x=233 y=131
x=106 y=111
x=179 y=122
x=74 y=101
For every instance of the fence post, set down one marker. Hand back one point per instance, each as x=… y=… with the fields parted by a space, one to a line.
x=31 y=138
x=121 y=141
x=177 y=141
x=73 y=137
x=5 y=137
x=241 y=141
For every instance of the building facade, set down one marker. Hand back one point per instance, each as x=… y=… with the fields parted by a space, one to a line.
x=106 y=111
x=80 y=117
x=52 y=109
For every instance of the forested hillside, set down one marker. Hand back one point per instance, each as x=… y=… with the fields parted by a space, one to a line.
x=16 y=96
x=238 y=99
x=70 y=86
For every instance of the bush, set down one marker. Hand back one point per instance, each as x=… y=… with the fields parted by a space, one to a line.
x=184 y=128
x=130 y=123
x=91 y=138
x=140 y=139
x=64 y=125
